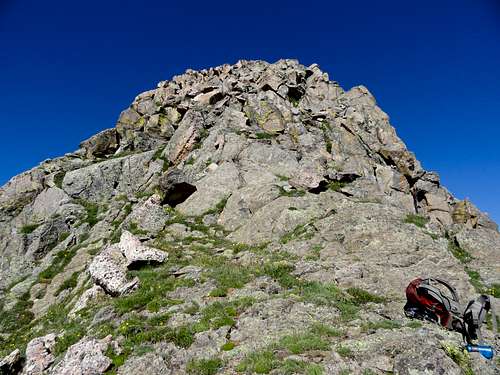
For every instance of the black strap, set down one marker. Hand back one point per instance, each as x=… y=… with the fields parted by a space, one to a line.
x=452 y=290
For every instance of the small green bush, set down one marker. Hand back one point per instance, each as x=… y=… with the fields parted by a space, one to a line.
x=336 y=185
x=29 y=228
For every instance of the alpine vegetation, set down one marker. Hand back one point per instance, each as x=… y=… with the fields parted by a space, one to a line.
x=248 y=218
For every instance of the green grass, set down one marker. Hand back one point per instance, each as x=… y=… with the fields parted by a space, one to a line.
x=143 y=194
x=314 y=253
x=417 y=220
x=291 y=192
x=261 y=362
x=151 y=295
x=133 y=227
x=281 y=272
x=325 y=330
x=138 y=331
x=265 y=360
x=72 y=334
x=69 y=283
x=328 y=145
x=459 y=356
x=91 y=210
x=494 y=290
x=228 y=276
x=459 y=253
x=58 y=179
x=228 y=346
x=60 y=260
x=263 y=135
x=344 y=351
x=415 y=324
x=475 y=280
x=29 y=228
x=292 y=367
x=25 y=328
x=63 y=236
x=380 y=324
x=336 y=185
x=117 y=360
x=19 y=315
x=301 y=343
x=220 y=314
x=204 y=366
x=306 y=231
x=361 y=296
x=219 y=207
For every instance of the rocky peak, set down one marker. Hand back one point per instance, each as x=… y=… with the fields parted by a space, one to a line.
x=228 y=212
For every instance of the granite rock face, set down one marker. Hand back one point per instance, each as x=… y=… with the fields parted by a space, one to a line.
x=247 y=218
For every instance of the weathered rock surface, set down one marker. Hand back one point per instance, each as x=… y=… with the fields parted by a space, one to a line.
x=84 y=358
x=39 y=354
x=11 y=364
x=231 y=212
x=109 y=268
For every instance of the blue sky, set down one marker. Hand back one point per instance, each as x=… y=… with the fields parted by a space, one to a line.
x=68 y=68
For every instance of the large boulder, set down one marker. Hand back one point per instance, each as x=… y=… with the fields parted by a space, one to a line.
x=39 y=354
x=84 y=358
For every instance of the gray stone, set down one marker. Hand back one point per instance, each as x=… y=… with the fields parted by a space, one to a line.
x=108 y=269
x=150 y=363
x=102 y=144
x=135 y=252
x=86 y=357
x=39 y=355
x=11 y=364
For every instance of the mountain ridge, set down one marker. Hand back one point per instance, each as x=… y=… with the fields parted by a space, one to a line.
x=254 y=188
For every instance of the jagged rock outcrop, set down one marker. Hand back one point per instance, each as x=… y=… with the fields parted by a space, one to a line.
x=108 y=269
x=246 y=218
x=39 y=354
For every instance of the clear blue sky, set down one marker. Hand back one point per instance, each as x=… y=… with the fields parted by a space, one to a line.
x=67 y=69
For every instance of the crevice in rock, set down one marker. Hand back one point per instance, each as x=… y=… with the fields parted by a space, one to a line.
x=179 y=193
x=295 y=94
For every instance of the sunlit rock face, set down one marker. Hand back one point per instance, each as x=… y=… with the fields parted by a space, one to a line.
x=251 y=218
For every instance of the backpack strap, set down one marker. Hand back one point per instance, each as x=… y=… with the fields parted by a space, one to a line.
x=494 y=320
x=474 y=316
x=450 y=304
x=452 y=290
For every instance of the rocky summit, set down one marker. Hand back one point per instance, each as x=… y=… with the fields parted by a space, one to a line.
x=248 y=218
